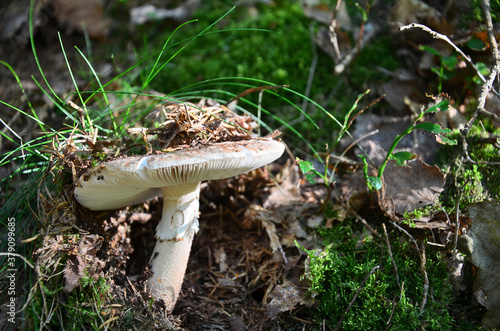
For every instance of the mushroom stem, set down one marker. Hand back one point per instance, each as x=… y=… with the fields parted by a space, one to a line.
x=168 y=269
x=174 y=236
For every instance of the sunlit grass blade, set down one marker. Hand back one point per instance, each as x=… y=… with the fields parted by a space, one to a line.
x=35 y=55
x=205 y=92
x=153 y=71
x=101 y=89
x=35 y=116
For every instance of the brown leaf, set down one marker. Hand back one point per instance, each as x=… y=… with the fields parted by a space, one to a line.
x=83 y=261
x=414 y=186
x=404 y=189
x=82 y=16
x=482 y=246
x=415 y=11
x=284 y=298
x=376 y=146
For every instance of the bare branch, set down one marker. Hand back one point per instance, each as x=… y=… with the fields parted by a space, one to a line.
x=390 y=254
x=339 y=324
x=488 y=84
x=445 y=38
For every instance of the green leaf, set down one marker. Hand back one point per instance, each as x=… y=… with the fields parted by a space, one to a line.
x=445 y=141
x=437 y=71
x=374 y=182
x=450 y=61
x=305 y=166
x=371 y=181
x=483 y=68
x=402 y=157
x=308 y=170
x=476 y=44
x=435 y=128
x=431 y=50
x=440 y=106
x=432 y=128
x=310 y=177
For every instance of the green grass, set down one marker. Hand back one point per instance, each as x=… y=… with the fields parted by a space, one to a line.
x=272 y=45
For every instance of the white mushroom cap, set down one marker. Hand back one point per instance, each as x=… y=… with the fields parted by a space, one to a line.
x=133 y=180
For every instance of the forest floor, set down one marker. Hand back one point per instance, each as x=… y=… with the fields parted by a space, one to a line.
x=267 y=238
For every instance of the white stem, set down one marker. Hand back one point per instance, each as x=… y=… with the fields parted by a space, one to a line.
x=174 y=236
x=180 y=212
x=169 y=267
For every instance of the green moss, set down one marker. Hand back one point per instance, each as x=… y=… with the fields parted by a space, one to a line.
x=476 y=181
x=477 y=13
x=349 y=255
x=81 y=309
x=378 y=52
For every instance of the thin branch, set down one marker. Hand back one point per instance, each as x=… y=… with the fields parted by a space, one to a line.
x=390 y=254
x=365 y=223
x=426 y=279
x=445 y=38
x=421 y=255
x=488 y=84
x=333 y=34
x=457 y=223
x=339 y=324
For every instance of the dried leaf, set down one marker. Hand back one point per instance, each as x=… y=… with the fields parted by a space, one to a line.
x=482 y=246
x=83 y=262
x=412 y=187
x=284 y=298
x=376 y=146
x=415 y=11
x=82 y=16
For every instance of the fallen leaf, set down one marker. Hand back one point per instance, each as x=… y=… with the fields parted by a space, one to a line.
x=82 y=16
x=376 y=146
x=414 y=186
x=82 y=262
x=415 y=11
x=482 y=246
x=404 y=189
x=284 y=297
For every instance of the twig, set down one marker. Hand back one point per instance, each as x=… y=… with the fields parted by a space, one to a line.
x=390 y=254
x=488 y=84
x=395 y=304
x=365 y=223
x=496 y=66
x=356 y=295
x=421 y=255
x=445 y=38
x=426 y=279
x=363 y=38
x=333 y=34
x=457 y=222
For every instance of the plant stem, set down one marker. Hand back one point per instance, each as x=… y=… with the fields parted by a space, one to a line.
x=395 y=143
x=391 y=149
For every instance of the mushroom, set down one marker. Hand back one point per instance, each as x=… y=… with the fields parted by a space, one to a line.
x=177 y=176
